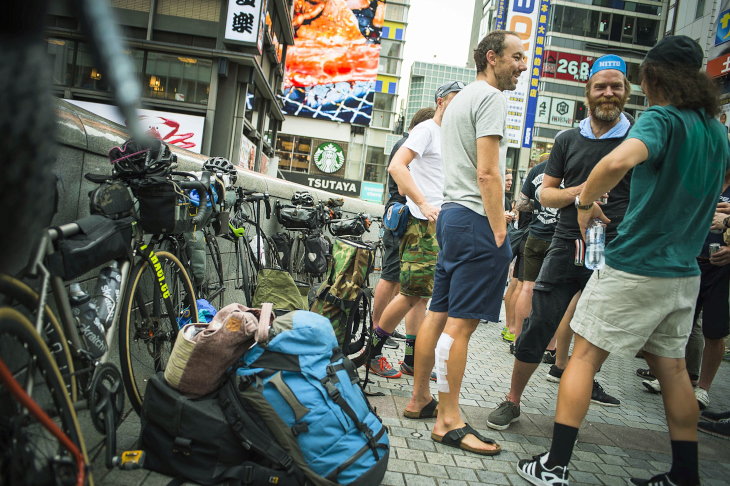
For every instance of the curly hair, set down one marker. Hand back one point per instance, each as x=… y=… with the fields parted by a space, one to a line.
x=494 y=41
x=421 y=116
x=682 y=86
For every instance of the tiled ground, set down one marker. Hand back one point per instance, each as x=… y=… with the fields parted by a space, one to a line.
x=614 y=444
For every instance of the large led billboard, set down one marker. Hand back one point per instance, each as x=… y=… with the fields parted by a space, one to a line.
x=332 y=67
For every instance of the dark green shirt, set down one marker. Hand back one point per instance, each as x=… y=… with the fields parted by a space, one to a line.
x=674 y=193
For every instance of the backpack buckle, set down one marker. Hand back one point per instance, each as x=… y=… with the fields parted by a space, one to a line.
x=182 y=446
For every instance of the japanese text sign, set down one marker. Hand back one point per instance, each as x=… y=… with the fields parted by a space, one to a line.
x=533 y=69
x=244 y=22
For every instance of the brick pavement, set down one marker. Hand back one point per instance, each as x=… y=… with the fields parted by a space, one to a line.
x=614 y=443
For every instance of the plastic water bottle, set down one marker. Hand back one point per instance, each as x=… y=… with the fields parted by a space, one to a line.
x=92 y=330
x=106 y=294
x=595 y=244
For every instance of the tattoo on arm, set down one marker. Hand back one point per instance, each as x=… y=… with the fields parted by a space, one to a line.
x=523 y=203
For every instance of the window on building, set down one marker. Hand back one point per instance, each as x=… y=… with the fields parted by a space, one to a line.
x=390 y=48
x=669 y=27
x=575 y=21
x=700 y=9
x=646 y=31
x=556 y=18
x=382 y=101
x=387 y=65
x=617 y=25
x=396 y=13
x=293 y=152
x=86 y=73
x=375 y=169
x=61 y=57
x=171 y=77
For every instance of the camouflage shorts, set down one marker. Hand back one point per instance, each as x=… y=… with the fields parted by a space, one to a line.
x=418 y=254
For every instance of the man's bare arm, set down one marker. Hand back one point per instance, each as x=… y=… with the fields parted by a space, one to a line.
x=552 y=196
x=524 y=204
x=398 y=168
x=491 y=185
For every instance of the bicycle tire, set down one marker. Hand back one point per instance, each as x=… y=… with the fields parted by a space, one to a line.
x=378 y=260
x=214 y=278
x=236 y=273
x=53 y=336
x=144 y=322
x=296 y=261
x=21 y=437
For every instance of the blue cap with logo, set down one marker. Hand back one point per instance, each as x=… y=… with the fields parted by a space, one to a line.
x=609 y=61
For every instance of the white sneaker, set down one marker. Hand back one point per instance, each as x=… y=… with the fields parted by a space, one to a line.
x=652 y=385
x=702 y=397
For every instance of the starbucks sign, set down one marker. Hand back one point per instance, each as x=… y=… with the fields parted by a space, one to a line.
x=329 y=157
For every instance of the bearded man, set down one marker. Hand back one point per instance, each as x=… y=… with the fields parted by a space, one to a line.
x=572 y=158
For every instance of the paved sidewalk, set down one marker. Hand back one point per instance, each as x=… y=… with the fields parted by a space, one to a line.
x=614 y=443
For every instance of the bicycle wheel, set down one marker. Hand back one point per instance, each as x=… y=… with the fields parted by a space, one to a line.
x=212 y=286
x=29 y=453
x=296 y=261
x=147 y=332
x=16 y=294
x=236 y=268
x=379 y=257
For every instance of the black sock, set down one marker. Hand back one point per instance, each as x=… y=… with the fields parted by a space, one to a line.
x=410 y=345
x=379 y=338
x=562 y=447
x=685 y=463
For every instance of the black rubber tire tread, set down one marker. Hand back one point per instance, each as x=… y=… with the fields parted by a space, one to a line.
x=214 y=278
x=28 y=298
x=236 y=273
x=15 y=323
x=136 y=396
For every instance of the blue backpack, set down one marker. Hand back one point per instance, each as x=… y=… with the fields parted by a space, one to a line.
x=307 y=393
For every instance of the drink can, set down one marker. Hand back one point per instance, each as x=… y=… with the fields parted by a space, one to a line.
x=714 y=248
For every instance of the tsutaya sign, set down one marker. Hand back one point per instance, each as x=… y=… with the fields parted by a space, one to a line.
x=245 y=22
x=526 y=17
x=346 y=187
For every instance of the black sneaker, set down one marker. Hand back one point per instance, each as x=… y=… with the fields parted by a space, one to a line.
x=554 y=374
x=715 y=416
x=719 y=429
x=389 y=343
x=397 y=335
x=535 y=472
x=549 y=357
x=600 y=397
x=660 y=480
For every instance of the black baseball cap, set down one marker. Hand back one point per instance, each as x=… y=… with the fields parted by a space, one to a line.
x=676 y=50
x=446 y=88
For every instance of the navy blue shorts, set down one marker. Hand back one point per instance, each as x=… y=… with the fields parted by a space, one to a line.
x=471 y=270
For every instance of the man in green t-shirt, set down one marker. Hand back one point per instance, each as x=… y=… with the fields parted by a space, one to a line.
x=645 y=295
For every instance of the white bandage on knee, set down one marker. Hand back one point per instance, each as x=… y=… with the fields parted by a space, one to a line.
x=443 y=346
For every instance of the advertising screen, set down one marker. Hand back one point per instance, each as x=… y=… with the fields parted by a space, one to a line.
x=332 y=67
x=566 y=66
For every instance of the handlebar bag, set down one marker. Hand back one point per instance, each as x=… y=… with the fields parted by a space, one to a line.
x=100 y=241
x=297 y=217
x=348 y=227
x=163 y=209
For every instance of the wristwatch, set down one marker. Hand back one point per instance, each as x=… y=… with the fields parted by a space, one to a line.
x=582 y=207
x=725 y=221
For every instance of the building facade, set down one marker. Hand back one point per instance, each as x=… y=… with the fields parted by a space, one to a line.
x=306 y=144
x=208 y=84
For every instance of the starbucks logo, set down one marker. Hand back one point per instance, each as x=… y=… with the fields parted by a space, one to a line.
x=329 y=157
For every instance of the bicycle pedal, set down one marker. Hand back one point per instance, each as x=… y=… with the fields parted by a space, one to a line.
x=130 y=460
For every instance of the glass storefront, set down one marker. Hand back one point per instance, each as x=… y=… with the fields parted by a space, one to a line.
x=293 y=152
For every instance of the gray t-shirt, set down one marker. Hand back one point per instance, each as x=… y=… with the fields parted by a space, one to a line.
x=479 y=110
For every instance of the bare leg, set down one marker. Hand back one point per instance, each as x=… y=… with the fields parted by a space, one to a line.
x=424 y=359
x=680 y=405
x=694 y=350
x=523 y=306
x=512 y=325
x=449 y=417
x=521 y=373
x=564 y=335
x=415 y=317
x=553 y=341
x=396 y=311
x=384 y=293
x=711 y=360
x=576 y=385
x=507 y=299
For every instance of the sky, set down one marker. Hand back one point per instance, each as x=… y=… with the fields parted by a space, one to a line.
x=440 y=28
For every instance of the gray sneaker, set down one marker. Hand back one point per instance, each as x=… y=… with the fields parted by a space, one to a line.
x=506 y=413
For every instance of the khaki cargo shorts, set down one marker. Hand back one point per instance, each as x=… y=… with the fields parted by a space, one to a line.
x=418 y=254
x=622 y=313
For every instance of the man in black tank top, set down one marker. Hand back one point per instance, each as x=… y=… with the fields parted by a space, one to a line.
x=572 y=158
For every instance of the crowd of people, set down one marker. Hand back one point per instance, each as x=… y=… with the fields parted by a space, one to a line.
x=660 y=184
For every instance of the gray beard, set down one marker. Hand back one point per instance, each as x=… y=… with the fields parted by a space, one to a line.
x=609 y=115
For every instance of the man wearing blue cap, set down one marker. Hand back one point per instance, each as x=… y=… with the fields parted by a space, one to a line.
x=644 y=297
x=572 y=158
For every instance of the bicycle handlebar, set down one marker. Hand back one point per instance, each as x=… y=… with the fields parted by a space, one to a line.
x=202 y=188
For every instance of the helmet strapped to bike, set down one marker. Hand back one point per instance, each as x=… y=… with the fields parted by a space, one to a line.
x=221 y=164
x=135 y=159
